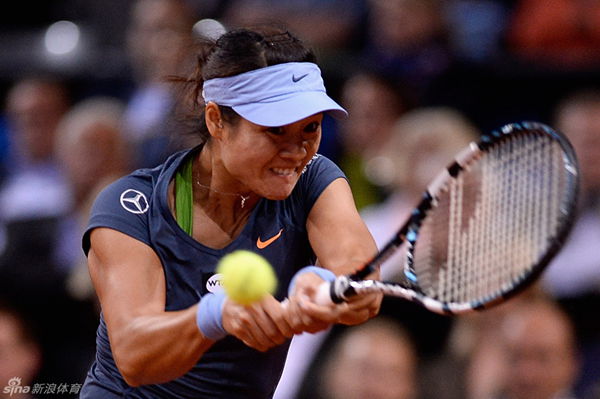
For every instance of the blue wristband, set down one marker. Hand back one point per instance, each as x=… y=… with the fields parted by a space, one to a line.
x=209 y=316
x=325 y=274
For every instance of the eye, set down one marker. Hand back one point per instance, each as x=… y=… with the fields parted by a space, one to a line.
x=277 y=130
x=312 y=127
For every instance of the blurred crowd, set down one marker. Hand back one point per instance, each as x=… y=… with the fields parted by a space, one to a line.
x=420 y=79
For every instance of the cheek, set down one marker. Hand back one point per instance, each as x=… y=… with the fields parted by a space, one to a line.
x=315 y=144
x=243 y=157
x=311 y=146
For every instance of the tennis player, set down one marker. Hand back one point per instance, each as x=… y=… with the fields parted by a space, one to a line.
x=256 y=183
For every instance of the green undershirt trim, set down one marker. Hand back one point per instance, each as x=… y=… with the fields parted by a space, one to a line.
x=184 y=197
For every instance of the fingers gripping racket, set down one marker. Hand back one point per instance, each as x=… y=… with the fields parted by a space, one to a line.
x=486 y=226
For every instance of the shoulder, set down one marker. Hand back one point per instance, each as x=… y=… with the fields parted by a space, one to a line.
x=122 y=205
x=131 y=193
x=320 y=161
x=137 y=189
x=127 y=204
x=318 y=174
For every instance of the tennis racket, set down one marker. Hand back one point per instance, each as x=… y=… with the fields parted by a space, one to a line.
x=486 y=226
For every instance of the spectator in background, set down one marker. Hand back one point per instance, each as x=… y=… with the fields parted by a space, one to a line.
x=576 y=270
x=573 y=277
x=328 y=25
x=376 y=360
x=92 y=152
x=90 y=146
x=33 y=187
x=373 y=105
x=42 y=266
x=538 y=353
x=34 y=195
x=158 y=42
x=476 y=28
x=525 y=348
x=20 y=354
x=407 y=40
x=473 y=359
x=33 y=201
x=563 y=33
x=420 y=144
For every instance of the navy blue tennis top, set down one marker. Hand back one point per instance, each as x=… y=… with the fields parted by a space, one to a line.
x=137 y=206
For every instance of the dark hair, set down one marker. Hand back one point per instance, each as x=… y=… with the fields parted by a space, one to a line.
x=235 y=52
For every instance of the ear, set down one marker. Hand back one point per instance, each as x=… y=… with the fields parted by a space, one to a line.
x=214 y=122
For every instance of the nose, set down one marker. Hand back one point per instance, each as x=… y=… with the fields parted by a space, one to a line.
x=295 y=150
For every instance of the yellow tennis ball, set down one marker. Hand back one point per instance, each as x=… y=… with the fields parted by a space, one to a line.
x=246 y=276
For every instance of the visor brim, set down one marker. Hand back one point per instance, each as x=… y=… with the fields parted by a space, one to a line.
x=290 y=109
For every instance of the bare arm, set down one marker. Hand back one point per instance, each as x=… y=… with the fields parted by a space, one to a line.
x=336 y=231
x=149 y=344
x=342 y=243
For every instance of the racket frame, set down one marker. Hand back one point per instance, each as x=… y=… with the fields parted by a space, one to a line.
x=344 y=287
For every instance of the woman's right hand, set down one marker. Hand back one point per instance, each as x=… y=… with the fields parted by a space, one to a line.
x=305 y=312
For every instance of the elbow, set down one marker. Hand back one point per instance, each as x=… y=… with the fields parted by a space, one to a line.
x=134 y=364
x=131 y=380
x=144 y=356
x=137 y=372
x=138 y=367
x=131 y=372
x=133 y=359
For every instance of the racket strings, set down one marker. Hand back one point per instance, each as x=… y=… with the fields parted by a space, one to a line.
x=492 y=222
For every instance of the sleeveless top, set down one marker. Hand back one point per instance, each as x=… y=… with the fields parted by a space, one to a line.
x=137 y=205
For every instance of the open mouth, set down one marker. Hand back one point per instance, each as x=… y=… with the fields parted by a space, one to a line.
x=285 y=172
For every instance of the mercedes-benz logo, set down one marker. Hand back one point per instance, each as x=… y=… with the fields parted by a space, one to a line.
x=134 y=201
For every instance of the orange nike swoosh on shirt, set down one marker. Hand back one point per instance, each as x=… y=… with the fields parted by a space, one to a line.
x=263 y=244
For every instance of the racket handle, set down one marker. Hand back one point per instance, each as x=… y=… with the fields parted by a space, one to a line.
x=323 y=296
x=332 y=290
x=336 y=292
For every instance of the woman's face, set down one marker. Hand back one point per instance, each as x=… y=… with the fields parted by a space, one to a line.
x=269 y=160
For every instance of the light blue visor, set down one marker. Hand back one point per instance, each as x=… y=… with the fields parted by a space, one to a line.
x=276 y=95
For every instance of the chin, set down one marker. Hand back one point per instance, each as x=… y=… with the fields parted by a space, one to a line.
x=279 y=194
x=278 y=189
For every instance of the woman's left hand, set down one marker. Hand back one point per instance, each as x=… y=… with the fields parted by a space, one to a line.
x=261 y=325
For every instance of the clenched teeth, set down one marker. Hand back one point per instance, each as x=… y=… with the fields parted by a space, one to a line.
x=283 y=172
